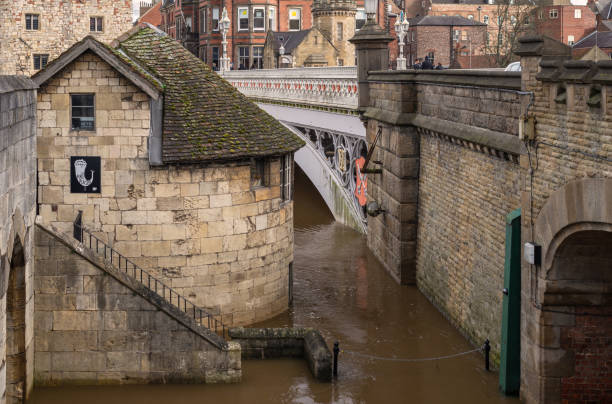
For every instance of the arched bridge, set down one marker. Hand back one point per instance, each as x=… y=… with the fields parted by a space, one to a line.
x=320 y=106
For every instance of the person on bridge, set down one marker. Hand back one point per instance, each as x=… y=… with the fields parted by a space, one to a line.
x=417 y=64
x=427 y=65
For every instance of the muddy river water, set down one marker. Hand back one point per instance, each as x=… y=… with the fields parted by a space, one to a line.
x=341 y=289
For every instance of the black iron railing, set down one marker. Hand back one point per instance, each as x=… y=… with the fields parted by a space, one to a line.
x=199 y=315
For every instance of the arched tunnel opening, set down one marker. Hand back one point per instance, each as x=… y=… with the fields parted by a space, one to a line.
x=309 y=206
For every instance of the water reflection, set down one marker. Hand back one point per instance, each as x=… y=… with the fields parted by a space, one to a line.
x=341 y=289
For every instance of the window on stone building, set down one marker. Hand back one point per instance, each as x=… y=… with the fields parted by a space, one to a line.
x=295 y=19
x=316 y=39
x=413 y=35
x=485 y=19
x=40 y=61
x=215 y=19
x=259 y=177
x=83 y=111
x=432 y=57
x=202 y=20
x=456 y=34
x=243 y=57
x=203 y=51
x=243 y=18
x=258 y=52
x=286 y=171
x=272 y=18
x=464 y=36
x=577 y=13
x=259 y=18
x=96 y=24
x=340 y=27
x=360 y=19
x=188 y=24
x=215 y=58
x=32 y=22
x=570 y=39
x=554 y=13
x=340 y=62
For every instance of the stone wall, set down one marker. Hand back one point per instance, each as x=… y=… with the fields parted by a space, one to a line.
x=95 y=327
x=567 y=210
x=61 y=25
x=450 y=175
x=203 y=230
x=17 y=214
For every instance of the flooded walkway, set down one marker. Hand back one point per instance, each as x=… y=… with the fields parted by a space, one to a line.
x=341 y=289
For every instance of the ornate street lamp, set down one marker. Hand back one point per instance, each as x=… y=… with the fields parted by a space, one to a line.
x=281 y=52
x=224 y=25
x=401 y=30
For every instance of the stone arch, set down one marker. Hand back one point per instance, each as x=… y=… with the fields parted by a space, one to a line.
x=15 y=325
x=574 y=294
x=584 y=204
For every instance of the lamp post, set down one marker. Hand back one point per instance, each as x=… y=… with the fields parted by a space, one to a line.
x=479 y=8
x=281 y=52
x=401 y=29
x=224 y=25
x=371 y=8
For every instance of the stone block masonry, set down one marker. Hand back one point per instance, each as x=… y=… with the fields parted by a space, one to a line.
x=94 y=327
x=60 y=25
x=450 y=175
x=17 y=215
x=203 y=230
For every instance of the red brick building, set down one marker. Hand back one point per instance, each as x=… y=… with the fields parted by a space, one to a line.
x=444 y=39
x=565 y=23
x=195 y=23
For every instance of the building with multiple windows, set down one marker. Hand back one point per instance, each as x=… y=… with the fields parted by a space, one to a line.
x=36 y=32
x=196 y=25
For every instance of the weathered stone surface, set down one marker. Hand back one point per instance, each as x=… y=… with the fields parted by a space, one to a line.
x=114 y=332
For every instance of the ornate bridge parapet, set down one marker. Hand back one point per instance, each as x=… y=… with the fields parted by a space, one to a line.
x=328 y=88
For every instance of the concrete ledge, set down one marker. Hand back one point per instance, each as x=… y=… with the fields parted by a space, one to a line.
x=497 y=140
x=490 y=79
x=268 y=343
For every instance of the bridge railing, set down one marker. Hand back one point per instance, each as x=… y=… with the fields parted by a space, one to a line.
x=327 y=87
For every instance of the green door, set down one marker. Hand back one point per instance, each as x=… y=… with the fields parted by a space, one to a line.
x=510 y=372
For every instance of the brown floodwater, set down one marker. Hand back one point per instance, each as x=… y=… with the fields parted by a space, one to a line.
x=341 y=289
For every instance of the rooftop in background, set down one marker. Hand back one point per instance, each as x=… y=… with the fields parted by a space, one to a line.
x=152 y=16
x=443 y=20
x=204 y=118
x=290 y=40
x=599 y=39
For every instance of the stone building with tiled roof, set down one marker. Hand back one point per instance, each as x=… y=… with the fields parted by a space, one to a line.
x=171 y=166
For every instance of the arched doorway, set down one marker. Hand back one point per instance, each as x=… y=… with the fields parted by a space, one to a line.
x=15 y=327
x=578 y=306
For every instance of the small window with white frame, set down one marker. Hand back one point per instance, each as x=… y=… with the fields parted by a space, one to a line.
x=272 y=18
x=570 y=40
x=82 y=108
x=485 y=19
x=286 y=171
x=96 y=24
x=259 y=18
x=577 y=13
x=215 y=19
x=32 y=22
x=243 y=18
x=553 y=13
x=295 y=19
x=340 y=31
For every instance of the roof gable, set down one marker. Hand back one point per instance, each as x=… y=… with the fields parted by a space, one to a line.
x=138 y=76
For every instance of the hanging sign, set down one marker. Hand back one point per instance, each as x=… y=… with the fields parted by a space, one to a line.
x=85 y=175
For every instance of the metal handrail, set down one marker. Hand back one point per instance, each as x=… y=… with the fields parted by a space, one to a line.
x=199 y=315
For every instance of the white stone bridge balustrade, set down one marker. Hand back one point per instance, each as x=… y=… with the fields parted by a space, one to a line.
x=333 y=88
